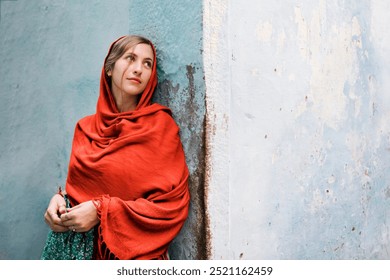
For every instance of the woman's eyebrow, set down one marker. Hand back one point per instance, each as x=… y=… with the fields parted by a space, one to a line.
x=130 y=52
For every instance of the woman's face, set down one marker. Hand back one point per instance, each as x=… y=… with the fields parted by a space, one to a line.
x=132 y=71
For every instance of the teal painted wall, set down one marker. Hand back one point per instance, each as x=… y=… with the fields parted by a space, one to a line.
x=51 y=53
x=176 y=28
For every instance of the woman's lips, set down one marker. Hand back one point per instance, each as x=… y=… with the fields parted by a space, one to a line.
x=135 y=80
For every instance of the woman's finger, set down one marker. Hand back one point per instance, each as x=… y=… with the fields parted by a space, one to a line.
x=67 y=219
x=62 y=209
x=54 y=222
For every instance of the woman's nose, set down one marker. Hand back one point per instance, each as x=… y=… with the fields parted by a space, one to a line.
x=137 y=68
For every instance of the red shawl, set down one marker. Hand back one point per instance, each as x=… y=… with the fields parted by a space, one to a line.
x=134 y=165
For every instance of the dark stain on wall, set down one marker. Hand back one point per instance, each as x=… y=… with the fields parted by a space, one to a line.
x=188 y=107
x=197 y=180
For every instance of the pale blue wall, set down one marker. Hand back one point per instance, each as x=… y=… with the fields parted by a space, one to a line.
x=51 y=53
x=306 y=129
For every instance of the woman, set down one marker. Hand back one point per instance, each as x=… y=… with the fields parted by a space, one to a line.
x=127 y=182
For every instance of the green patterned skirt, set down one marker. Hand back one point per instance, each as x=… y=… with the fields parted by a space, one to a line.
x=69 y=245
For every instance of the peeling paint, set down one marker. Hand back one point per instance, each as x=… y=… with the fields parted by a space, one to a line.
x=264 y=32
x=325 y=54
x=178 y=42
x=308 y=133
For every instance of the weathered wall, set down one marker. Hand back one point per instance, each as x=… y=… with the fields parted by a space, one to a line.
x=51 y=53
x=297 y=124
x=176 y=29
x=298 y=129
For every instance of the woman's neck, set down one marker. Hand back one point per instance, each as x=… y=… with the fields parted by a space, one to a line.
x=125 y=102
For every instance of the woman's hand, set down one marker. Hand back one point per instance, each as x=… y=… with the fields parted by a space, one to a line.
x=81 y=218
x=56 y=208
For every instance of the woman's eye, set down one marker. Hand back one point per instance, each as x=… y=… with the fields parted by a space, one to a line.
x=130 y=58
x=148 y=64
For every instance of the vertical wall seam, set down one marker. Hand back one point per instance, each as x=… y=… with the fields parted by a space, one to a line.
x=215 y=60
x=206 y=140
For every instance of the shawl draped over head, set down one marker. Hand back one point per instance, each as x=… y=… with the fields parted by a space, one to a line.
x=132 y=166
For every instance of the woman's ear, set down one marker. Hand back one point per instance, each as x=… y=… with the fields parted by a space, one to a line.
x=109 y=73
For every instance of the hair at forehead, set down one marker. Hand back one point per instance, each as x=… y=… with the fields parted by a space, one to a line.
x=130 y=41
